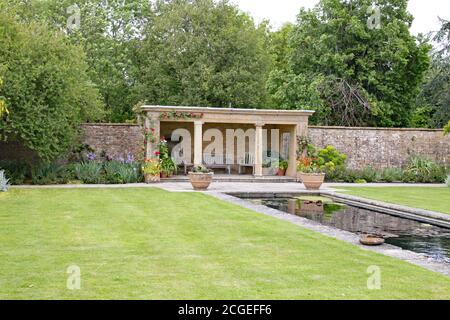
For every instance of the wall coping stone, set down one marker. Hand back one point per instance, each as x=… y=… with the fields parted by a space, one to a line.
x=310 y=127
x=376 y=129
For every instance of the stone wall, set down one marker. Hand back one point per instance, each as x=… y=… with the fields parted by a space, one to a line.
x=14 y=150
x=379 y=148
x=383 y=148
x=117 y=140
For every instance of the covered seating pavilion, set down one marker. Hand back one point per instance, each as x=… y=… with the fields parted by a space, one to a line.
x=226 y=136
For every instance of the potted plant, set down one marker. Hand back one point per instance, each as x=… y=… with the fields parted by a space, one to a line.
x=200 y=178
x=267 y=168
x=168 y=165
x=152 y=170
x=310 y=173
x=282 y=166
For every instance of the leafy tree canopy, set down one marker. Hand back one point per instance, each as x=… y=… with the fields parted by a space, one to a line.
x=204 y=53
x=433 y=103
x=350 y=73
x=109 y=32
x=45 y=86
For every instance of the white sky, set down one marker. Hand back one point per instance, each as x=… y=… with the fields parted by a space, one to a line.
x=425 y=12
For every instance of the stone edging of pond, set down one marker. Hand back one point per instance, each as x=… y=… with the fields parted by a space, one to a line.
x=435 y=218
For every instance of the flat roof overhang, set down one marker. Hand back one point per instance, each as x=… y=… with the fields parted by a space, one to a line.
x=230 y=115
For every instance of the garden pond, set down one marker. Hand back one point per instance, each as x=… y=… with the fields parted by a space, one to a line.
x=412 y=235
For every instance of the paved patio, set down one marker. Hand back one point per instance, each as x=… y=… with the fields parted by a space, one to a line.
x=232 y=186
x=276 y=187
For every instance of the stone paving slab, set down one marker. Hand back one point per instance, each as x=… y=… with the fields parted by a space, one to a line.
x=229 y=186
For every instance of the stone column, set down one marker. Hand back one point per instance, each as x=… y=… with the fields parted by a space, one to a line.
x=292 y=169
x=198 y=143
x=152 y=125
x=258 y=149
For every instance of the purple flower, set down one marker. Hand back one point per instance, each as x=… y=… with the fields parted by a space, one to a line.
x=130 y=158
x=91 y=156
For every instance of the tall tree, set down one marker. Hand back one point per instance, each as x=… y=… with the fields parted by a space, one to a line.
x=109 y=32
x=433 y=103
x=46 y=87
x=203 y=53
x=363 y=74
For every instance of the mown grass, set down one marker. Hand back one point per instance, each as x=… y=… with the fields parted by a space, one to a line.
x=428 y=198
x=151 y=244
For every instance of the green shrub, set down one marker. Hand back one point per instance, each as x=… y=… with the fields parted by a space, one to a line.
x=422 y=170
x=46 y=174
x=67 y=173
x=361 y=181
x=369 y=175
x=117 y=172
x=391 y=175
x=336 y=174
x=330 y=158
x=89 y=172
x=16 y=171
x=351 y=175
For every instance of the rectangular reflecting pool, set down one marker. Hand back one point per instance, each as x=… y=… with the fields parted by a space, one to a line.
x=408 y=234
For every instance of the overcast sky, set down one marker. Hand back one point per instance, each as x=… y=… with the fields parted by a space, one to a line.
x=425 y=12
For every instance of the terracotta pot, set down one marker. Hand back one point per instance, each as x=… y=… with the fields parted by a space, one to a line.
x=312 y=181
x=281 y=172
x=151 y=178
x=164 y=175
x=200 y=181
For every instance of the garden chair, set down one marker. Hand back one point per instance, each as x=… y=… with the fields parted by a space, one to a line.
x=247 y=161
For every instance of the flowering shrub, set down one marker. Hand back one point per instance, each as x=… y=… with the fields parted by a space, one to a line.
x=309 y=165
x=168 y=165
x=176 y=115
x=152 y=167
x=150 y=135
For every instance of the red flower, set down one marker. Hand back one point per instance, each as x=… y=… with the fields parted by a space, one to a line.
x=157 y=153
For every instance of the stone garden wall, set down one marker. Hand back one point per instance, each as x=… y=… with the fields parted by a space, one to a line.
x=364 y=146
x=117 y=140
x=382 y=148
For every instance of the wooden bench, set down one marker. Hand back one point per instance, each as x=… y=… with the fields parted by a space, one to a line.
x=217 y=162
x=247 y=161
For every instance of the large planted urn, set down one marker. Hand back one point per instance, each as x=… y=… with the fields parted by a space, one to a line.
x=312 y=181
x=201 y=178
x=151 y=178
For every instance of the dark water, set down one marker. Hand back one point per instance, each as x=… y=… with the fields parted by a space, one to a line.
x=408 y=234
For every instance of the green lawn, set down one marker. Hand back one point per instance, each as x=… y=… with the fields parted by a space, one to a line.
x=428 y=198
x=151 y=244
